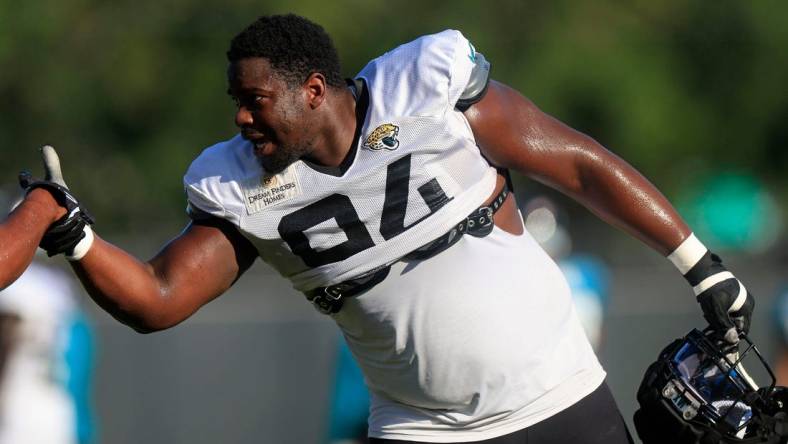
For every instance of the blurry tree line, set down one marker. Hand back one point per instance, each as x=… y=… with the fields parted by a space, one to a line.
x=131 y=91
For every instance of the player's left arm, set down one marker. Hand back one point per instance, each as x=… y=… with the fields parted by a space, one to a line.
x=513 y=133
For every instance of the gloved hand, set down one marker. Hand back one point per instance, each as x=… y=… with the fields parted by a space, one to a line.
x=726 y=304
x=70 y=234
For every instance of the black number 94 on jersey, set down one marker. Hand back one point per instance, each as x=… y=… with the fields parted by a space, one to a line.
x=293 y=227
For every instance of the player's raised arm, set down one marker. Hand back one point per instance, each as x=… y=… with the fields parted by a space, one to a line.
x=194 y=268
x=21 y=232
x=190 y=271
x=512 y=132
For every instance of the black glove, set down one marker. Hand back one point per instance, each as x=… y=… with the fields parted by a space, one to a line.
x=727 y=305
x=65 y=233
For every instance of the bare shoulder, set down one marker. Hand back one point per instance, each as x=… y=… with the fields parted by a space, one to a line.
x=513 y=132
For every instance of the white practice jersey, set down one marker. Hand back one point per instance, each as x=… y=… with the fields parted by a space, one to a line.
x=416 y=173
x=476 y=342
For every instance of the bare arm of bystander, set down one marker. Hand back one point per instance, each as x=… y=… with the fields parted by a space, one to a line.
x=22 y=231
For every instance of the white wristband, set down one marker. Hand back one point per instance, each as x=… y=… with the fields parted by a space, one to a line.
x=687 y=254
x=81 y=249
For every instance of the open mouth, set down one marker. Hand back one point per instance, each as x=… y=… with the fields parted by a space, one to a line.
x=261 y=145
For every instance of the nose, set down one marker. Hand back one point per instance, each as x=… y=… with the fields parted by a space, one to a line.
x=243 y=117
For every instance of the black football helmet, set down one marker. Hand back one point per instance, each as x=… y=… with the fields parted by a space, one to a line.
x=698 y=392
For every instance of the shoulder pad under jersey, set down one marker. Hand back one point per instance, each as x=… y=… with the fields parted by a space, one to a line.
x=477 y=83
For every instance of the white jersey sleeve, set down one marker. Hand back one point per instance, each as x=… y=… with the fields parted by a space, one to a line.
x=211 y=182
x=425 y=77
x=415 y=173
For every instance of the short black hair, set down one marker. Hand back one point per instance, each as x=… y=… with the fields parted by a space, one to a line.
x=295 y=47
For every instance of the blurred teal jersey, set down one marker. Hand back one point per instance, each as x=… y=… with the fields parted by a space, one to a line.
x=46 y=380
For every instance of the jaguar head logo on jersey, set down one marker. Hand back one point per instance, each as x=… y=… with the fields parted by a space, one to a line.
x=383 y=138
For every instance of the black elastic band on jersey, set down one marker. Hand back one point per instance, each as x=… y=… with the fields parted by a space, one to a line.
x=506 y=175
x=479 y=223
x=330 y=299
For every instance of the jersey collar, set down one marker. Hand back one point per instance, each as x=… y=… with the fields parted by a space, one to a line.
x=360 y=92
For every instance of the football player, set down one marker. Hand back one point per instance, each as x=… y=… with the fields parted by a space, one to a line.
x=384 y=200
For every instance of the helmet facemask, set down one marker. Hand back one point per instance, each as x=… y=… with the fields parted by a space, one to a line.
x=698 y=391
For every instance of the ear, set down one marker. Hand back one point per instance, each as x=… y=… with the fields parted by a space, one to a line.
x=316 y=88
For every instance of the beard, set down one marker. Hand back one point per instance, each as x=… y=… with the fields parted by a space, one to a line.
x=282 y=157
x=290 y=125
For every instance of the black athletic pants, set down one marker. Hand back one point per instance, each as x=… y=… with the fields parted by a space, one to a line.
x=594 y=419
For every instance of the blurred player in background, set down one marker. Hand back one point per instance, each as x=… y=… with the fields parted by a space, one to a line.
x=587 y=275
x=385 y=200
x=349 y=409
x=780 y=314
x=779 y=310
x=46 y=361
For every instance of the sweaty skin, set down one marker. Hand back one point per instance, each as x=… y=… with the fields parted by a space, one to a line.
x=22 y=231
x=513 y=133
x=319 y=121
